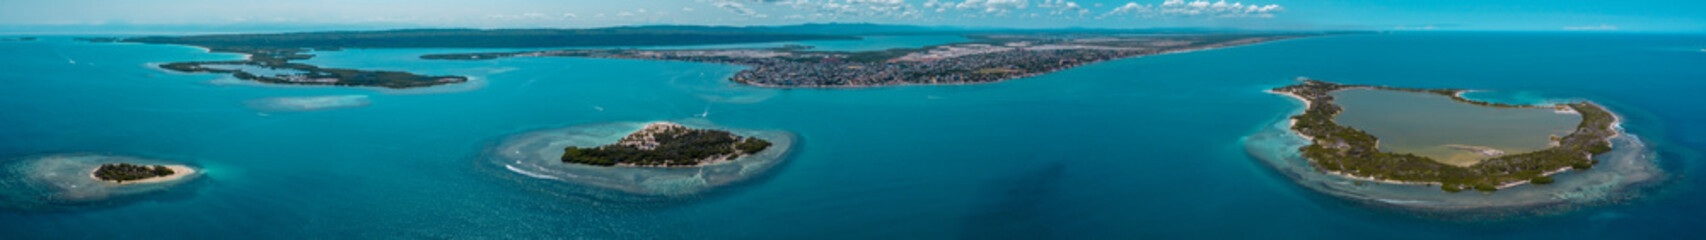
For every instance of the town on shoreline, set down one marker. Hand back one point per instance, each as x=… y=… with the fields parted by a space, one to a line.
x=989 y=58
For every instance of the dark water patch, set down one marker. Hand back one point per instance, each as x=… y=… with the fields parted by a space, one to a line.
x=1013 y=203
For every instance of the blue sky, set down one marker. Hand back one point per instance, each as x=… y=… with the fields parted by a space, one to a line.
x=1526 y=15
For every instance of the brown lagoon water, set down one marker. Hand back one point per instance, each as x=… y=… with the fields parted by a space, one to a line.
x=1438 y=127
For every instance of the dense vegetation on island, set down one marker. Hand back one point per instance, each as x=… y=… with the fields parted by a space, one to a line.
x=279 y=58
x=130 y=172
x=667 y=144
x=277 y=50
x=1344 y=150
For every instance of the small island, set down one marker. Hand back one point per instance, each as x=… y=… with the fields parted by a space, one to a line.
x=1345 y=151
x=126 y=173
x=665 y=144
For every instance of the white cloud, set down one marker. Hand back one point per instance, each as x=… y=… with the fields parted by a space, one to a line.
x=1197 y=8
x=1601 y=27
x=882 y=2
x=1063 y=7
x=851 y=8
x=992 y=6
x=686 y=9
x=738 y=9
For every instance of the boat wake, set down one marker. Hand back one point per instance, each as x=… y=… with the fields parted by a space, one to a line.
x=529 y=174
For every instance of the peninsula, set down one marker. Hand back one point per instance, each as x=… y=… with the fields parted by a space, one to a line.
x=1350 y=152
x=125 y=173
x=664 y=144
x=990 y=58
x=269 y=56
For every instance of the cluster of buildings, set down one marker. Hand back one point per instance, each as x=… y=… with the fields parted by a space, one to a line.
x=948 y=64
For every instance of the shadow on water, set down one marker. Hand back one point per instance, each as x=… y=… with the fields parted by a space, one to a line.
x=1018 y=201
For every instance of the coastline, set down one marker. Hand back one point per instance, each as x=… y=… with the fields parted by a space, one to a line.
x=702 y=163
x=178 y=172
x=246 y=56
x=1614 y=127
x=1015 y=77
x=1293 y=121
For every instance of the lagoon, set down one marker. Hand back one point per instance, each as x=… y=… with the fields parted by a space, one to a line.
x=1446 y=130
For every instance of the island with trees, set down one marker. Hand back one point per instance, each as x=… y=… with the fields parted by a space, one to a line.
x=665 y=144
x=124 y=173
x=1346 y=151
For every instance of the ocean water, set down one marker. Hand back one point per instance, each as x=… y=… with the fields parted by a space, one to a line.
x=1151 y=147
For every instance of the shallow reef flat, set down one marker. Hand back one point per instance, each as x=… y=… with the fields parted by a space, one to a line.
x=64 y=181
x=534 y=157
x=1623 y=169
x=315 y=103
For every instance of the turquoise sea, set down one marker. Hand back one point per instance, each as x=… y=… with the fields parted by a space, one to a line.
x=1149 y=147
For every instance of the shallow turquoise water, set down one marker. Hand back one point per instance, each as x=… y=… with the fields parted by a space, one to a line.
x=1138 y=148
